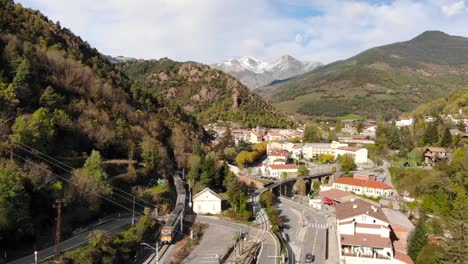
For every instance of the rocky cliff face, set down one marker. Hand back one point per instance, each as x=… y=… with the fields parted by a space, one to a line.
x=254 y=73
x=209 y=95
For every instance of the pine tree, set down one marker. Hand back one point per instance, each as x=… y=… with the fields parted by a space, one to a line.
x=93 y=166
x=418 y=238
x=456 y=250
x=446 y=140
x=430 y=134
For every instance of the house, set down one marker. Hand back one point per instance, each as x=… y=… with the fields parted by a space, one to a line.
x=404 y=122
x=359 y=154
x=296 y=152
x=365 y=235
x=363 y=187
x=363 y=230
x=284 y=145
x=335 y=196
x=277 y=170
x=433 y=154
x=274 y=136
x=207 y=202
x=277 y=155
x=370 y=131
x=256 y=137
x=349 y=126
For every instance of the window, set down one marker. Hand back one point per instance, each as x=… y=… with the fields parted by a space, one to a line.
x=363 y=218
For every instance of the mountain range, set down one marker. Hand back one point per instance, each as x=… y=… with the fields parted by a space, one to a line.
x=255 y=73
x=382 y=81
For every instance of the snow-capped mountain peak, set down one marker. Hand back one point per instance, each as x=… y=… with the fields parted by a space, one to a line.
x=255 y=73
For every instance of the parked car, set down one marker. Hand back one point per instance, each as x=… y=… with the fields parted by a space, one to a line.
x=309 y=258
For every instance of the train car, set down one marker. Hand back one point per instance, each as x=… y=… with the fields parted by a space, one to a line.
x=172 y=226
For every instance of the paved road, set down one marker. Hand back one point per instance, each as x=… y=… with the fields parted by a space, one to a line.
x=218 y=238
x=214 y=244
x=76 y=240
x=306 y=229
x=270 y=244
x=388 y=176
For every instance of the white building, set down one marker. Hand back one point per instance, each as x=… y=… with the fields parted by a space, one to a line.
x=359 y=154
x=276 y=170
x=370 y=131
x=296 y=152
x=277 y=156
x=207 y=202
x=284 y=145
x=363 y=187
x=364 y=235
x=313 y=150
x=404 y=122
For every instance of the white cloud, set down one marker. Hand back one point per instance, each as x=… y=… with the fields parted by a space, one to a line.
x=453 y=9
x=212 y=30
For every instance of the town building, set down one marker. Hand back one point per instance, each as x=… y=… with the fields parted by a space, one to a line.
x=356 y=140
x=284 y=145
x=313 y=150
x=369 y=131
x=296 y=152
x=433 y=154
x=404 y=122
x=335 y=196
x=359 y=154
x=363 y=187
x=365 y=235
x=277 y=156
x=274 y=136
x=207 y=202
x=277 y=170
x=256 y=137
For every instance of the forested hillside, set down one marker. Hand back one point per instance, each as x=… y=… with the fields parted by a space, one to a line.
x=383 y=81
x=60 y=97
x=209 y=95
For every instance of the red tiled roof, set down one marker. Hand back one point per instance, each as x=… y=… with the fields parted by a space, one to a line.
x=403 y=257
x=359 y=207
x=363 y=183
x=274 y=134
x=278 y=152
x=366 y=240
x=335 y=194
x=283 y=166
x=432 y=149
x=398 y=246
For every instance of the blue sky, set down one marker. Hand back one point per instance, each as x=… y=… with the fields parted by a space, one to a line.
x=213 y=30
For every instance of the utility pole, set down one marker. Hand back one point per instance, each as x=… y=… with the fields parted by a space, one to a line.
x=240 y=242
x=133 y=212
x=182 y=221
x=157 y=252
x=58 y=231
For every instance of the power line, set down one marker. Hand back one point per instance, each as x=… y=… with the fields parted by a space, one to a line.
x=61 y=165
x=97 y=194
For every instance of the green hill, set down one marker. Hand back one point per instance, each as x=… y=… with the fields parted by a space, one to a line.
x=63 y=98
x=455 y=104
x=385 y=81
x=209 y=95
